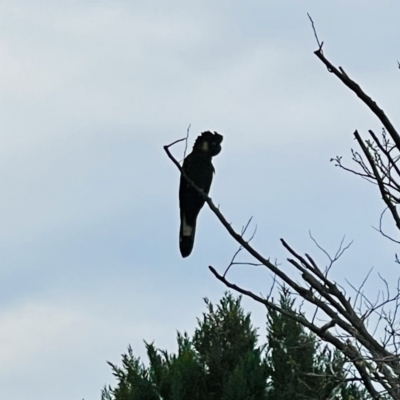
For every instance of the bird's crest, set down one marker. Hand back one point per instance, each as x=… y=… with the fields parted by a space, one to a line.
x=209 y=142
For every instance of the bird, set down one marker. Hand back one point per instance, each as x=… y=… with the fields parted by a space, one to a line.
x=199 y=169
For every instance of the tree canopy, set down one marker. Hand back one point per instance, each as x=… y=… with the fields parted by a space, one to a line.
x=224 y=360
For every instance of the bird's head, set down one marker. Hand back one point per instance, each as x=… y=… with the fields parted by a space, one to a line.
x=209 y=143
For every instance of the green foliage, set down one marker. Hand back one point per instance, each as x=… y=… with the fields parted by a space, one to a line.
x=299 y=368
x=133 y=381
x=226 y=342
x=178 y=376
x=222 y=361
x=291 y=356
x=248 y=380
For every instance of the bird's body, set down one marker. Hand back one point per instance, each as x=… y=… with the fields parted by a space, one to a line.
x=199 y=169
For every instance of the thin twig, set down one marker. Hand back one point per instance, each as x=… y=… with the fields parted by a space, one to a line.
x=315 y=33
x=187 y=138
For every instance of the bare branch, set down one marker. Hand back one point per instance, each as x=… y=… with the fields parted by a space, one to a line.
x=378 y=178
x=315 y=33
x=380 y=229
x=363 y=96
x=187 y=138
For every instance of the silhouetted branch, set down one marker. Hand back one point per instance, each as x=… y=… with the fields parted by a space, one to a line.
x=384 y=193
x=362 y=95
x=315 y=33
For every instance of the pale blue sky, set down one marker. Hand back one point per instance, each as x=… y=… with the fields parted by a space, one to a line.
x=90 y=91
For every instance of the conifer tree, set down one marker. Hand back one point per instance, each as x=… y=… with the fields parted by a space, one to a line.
x=223 y=361
x=298 y=367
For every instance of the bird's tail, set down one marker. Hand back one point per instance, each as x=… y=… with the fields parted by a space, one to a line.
x=186 y=236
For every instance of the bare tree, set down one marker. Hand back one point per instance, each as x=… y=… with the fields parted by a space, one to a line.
x=374 y=358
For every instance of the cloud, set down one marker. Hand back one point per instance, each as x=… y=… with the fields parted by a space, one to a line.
x=31 y=329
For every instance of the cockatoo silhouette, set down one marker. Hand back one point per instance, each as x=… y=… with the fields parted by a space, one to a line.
x=199 y=169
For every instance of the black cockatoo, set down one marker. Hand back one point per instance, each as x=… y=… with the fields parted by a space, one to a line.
x=199 y=169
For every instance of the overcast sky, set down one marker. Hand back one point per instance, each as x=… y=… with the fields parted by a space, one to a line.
x=90 y=91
